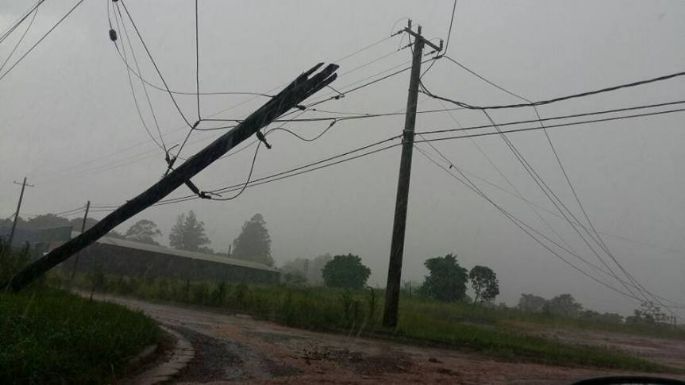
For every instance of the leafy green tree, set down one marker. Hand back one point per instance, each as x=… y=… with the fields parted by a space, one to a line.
x=484 y=284
x=648 y=313
x=144 y=231
x=531 y=303
x=7 y=222
x=346 y=271
x=188 y=233
x=563 y=305
x=254 y=243
x=46 y=221
x=446 y=280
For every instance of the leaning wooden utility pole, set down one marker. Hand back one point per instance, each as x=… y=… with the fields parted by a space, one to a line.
x=392 y=288
x=16 y=215
x=296 y=92
x=83 y=228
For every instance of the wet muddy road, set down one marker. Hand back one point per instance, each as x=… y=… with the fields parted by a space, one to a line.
x=237 y=349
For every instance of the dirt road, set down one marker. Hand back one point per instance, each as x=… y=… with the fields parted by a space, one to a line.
x=237 y=349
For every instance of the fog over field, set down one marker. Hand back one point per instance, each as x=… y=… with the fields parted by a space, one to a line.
x=70 y=125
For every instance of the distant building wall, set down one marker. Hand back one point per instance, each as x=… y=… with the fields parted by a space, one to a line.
x=158 y=262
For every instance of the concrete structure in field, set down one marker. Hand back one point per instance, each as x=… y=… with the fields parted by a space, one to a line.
x=135 y=259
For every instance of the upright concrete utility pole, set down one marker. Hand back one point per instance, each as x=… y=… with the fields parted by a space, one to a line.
x=83 y=228
x=392 y=288
x=16 y=215
x=290 y=97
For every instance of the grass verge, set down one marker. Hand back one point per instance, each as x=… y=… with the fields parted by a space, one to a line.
x=49 y=336
x=457 y=326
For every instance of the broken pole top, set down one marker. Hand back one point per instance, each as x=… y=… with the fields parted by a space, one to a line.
x=291 y=96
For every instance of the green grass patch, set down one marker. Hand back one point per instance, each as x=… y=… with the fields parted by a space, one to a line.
x=423 y=323
x=48 y=336
x=456 y=325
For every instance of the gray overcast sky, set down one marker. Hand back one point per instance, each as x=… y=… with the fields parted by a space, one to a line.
x=69 y=123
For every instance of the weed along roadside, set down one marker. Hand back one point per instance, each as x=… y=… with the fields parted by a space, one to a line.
x=49 y=336
x=53 y=337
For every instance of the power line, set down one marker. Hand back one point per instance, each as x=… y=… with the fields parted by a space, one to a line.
x=197 y=62
x=142 y=155
x=524 y=227
x=562 y=98
x=138 y=75
x=152 y=60
x=161 y=145
x=482 y=194
x=299 y=170
x=364 y=85
x=504 y=177
x=305 y=167
x=449 y=31
x=639 y=287
x=350 y=116
x=535 y=128
x=499 y=132
x=552 y=196
x=194 y=93
x=596 y=238
x=21 y=38
x=59 y=22
x=17 y=23
x=366 y=47
x=218 y=197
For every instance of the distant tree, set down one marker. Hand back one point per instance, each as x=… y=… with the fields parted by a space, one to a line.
x=346 y=271
x=648 y=313
x=563 y=305
x=612 y=318
x=254 y=242
x=144 y=231
x=188 y=233
x=609 y=318
x=310 y=269
x=484 y=284
x=47 y=221
x=531 y=303
x=446 y=280
x=7 y=222
x=315 y=269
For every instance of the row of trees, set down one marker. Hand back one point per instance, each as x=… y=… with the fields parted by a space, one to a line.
x=341 y=271
x=564 y=305
x=47 y=221
x=447 y=281
x=188 y=233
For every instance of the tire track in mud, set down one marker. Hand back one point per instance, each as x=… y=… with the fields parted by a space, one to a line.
x=218 y=359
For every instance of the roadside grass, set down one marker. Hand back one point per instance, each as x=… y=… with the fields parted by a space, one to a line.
x=457 y=326
x=53 y=337
x=516 y=319
x=418 y=322
x=49 y=336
